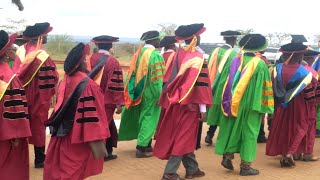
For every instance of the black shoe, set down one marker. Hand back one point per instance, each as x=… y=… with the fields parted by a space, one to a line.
x=227 y=163
x=284 y=163
x=171 y=177
x=197 y=174
x=262 y=139
x=148 y=149
x=317 y=133
x=140 y=154
x=248 y=172
x=110 y=157
x=208 y=140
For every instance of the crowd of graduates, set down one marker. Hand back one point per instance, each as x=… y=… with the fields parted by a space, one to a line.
x=166 y=97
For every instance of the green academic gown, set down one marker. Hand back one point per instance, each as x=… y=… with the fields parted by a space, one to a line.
x=139 y=119
x=214 y=113
x=251 y=96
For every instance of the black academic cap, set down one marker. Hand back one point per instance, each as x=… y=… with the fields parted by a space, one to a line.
x=253 y=43
x=39 y=29
x=105 y=39
x=4 y=38
x=298 y=39
x=311 y=53
x=75 y=57
x=185 y=32
x=230 y=33
x=149 y=35
x=167 y=40
x=6 y=41
x=296 y=48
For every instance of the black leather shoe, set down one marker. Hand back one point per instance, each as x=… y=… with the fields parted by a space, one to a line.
x=197 y=174
x=248 y=172
x=317 y=133
x=171 y=177
x=208 y=140
x=140 y=154
x=110 y=157
x=262 y=139
x=227 y=163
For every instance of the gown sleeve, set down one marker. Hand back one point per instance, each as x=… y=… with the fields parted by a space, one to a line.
x=90 y=122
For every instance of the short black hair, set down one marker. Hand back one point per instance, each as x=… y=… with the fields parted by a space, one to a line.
x=295 y=57
x=230 y=38
x=105 y=46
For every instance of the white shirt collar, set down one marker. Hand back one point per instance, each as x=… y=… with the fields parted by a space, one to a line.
x=104 y=51
x=169 y=50
x=149 y=46
x=228 y=45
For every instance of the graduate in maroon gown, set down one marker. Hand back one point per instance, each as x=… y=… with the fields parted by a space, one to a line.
x=14 y=122
x=168 y=43
x=78 y=124
x=295 y=109
x=107 y=72
x=189 y=92
x=38 y=75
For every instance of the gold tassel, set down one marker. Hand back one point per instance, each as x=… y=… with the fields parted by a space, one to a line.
x=192 y=45
x=39 y=43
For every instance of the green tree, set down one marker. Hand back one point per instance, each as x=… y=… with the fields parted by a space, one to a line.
x=59 y=45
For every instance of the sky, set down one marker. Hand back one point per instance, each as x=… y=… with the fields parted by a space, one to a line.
x=130 y=18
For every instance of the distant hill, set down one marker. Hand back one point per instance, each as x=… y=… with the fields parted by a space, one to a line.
x=86 y=39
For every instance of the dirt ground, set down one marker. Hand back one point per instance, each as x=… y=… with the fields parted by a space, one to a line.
x=129 y=167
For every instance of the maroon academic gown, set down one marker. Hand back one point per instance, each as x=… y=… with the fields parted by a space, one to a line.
x=39 y=91
x=178 y=131
x=169 y=54
x=310 y=137
x=70 y=157
x=14 y=124
x=289 y=131
x=112 y=87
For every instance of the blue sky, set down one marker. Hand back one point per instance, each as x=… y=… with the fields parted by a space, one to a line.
x=127 y=18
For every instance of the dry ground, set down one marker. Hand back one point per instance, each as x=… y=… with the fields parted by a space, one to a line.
x=128 y=167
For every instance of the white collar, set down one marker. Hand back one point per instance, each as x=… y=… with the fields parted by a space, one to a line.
x=149 y=46
x=169 y=50
x=228 y=45
x=104 y=51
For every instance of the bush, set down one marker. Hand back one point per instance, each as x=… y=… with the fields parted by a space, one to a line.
x=58 y=46
x=124 y=51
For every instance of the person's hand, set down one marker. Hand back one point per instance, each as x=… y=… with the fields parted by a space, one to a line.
x=119 y=109
x=203 y=117
x=15 y=142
